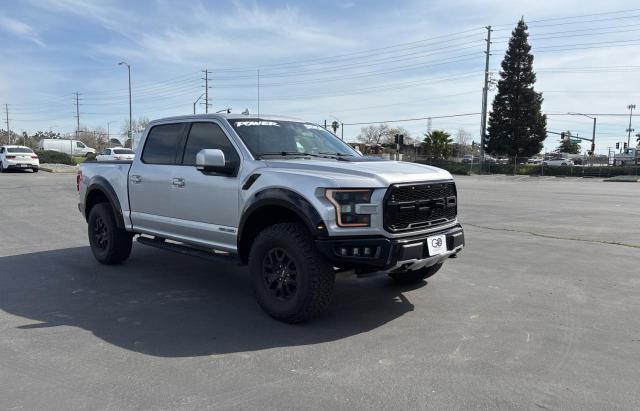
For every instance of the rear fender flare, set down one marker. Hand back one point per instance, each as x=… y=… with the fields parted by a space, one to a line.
x=102 y=185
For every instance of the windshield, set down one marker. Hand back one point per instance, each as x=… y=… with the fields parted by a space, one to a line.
x=275 y=136
x=123 y=151
x=19 y=150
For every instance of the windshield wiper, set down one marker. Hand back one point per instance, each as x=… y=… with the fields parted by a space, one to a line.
x=336 y=154
x=288 y=153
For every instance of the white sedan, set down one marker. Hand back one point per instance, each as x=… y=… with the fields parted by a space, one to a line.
x=558 y=162
x=18 y=157
x=116 y=154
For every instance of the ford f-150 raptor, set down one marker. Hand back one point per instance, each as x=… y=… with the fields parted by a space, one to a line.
x=283 y=196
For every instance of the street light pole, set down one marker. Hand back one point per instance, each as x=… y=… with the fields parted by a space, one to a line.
x=196 y=102
x=631 y=107
x=130 y=115
x=593 y=135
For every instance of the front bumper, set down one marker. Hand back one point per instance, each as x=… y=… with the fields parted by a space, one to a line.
x=389 y=254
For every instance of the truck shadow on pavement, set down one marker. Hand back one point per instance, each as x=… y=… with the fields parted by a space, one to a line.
x=168 y=305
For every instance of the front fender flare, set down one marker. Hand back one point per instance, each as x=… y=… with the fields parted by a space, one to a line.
x=290 y=200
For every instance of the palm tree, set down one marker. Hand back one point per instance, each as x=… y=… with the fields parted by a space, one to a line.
x=437 y=144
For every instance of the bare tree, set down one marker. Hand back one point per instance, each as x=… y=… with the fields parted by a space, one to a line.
x=374 y=134
x=137 y=126
x=462 y=142
x=97 y=138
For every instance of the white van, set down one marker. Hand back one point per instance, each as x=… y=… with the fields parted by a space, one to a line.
x=71 y=147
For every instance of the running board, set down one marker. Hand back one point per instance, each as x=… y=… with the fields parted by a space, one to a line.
x=219 y=257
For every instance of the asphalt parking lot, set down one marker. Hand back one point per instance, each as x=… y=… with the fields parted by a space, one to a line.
x=541 y=311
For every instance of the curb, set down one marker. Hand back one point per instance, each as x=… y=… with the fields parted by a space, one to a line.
x=622 y=179
x=51 y=170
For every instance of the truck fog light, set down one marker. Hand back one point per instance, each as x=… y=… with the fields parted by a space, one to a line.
x=343 y=251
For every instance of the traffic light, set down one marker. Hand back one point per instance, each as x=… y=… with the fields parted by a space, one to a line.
x=399 y=139
x=618 y=146
x=562 y=136
x=625 y=146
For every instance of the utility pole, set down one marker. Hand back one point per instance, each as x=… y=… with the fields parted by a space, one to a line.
x=429 y=125
x=77 y=114
x=631 y=107
x=6 y=111
x=593 y=138
x=206 y=90
x=485 y=90
x=77 y=120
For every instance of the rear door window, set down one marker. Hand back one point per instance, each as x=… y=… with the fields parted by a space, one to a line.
x=162 y=144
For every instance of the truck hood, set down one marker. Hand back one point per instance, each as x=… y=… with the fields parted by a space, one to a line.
x=359 y=173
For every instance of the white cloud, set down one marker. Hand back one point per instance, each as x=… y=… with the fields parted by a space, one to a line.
x=20 y=29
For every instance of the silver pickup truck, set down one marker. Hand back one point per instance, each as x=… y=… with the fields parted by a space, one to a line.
x=283 y=196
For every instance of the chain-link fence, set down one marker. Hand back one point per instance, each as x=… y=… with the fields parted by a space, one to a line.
x=533 y=169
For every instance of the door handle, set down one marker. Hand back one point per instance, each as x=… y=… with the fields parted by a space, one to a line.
x=178 y=182
x=135 y=179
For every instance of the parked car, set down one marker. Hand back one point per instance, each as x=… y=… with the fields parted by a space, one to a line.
x=468 y=159
x=534 y=161
x=18 y=157
x=71 y=147
x=237 y=188
x=116 y=154
x=556 y=162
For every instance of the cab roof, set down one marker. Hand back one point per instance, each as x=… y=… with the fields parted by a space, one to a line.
x=225 y=116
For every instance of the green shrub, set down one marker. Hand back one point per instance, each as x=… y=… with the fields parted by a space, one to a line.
x=55 y=157
x=534 y=169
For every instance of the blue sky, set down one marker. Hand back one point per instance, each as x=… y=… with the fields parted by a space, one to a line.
x=356 y=61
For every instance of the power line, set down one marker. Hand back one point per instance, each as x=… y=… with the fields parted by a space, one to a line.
x=572 y=17
x=337 y=57
x=456 y=59
x=569 y=35
x=412 y=119
x=380 y=61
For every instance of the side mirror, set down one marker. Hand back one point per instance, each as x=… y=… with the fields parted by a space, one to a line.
x=213 y=161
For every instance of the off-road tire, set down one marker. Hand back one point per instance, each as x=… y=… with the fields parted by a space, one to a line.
x=314 y=276
x=416 y=276
x=109 y=244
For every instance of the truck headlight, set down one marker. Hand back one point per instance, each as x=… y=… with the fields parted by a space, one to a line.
x=345 y=201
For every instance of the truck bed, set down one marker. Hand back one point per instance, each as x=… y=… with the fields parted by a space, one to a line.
x=116 y=173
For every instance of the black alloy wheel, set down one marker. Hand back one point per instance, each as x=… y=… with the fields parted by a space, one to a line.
x=280 y=274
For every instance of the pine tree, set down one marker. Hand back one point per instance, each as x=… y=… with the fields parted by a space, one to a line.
x=517 y=126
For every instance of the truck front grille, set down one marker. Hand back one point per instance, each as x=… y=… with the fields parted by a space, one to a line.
x=419 y=205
